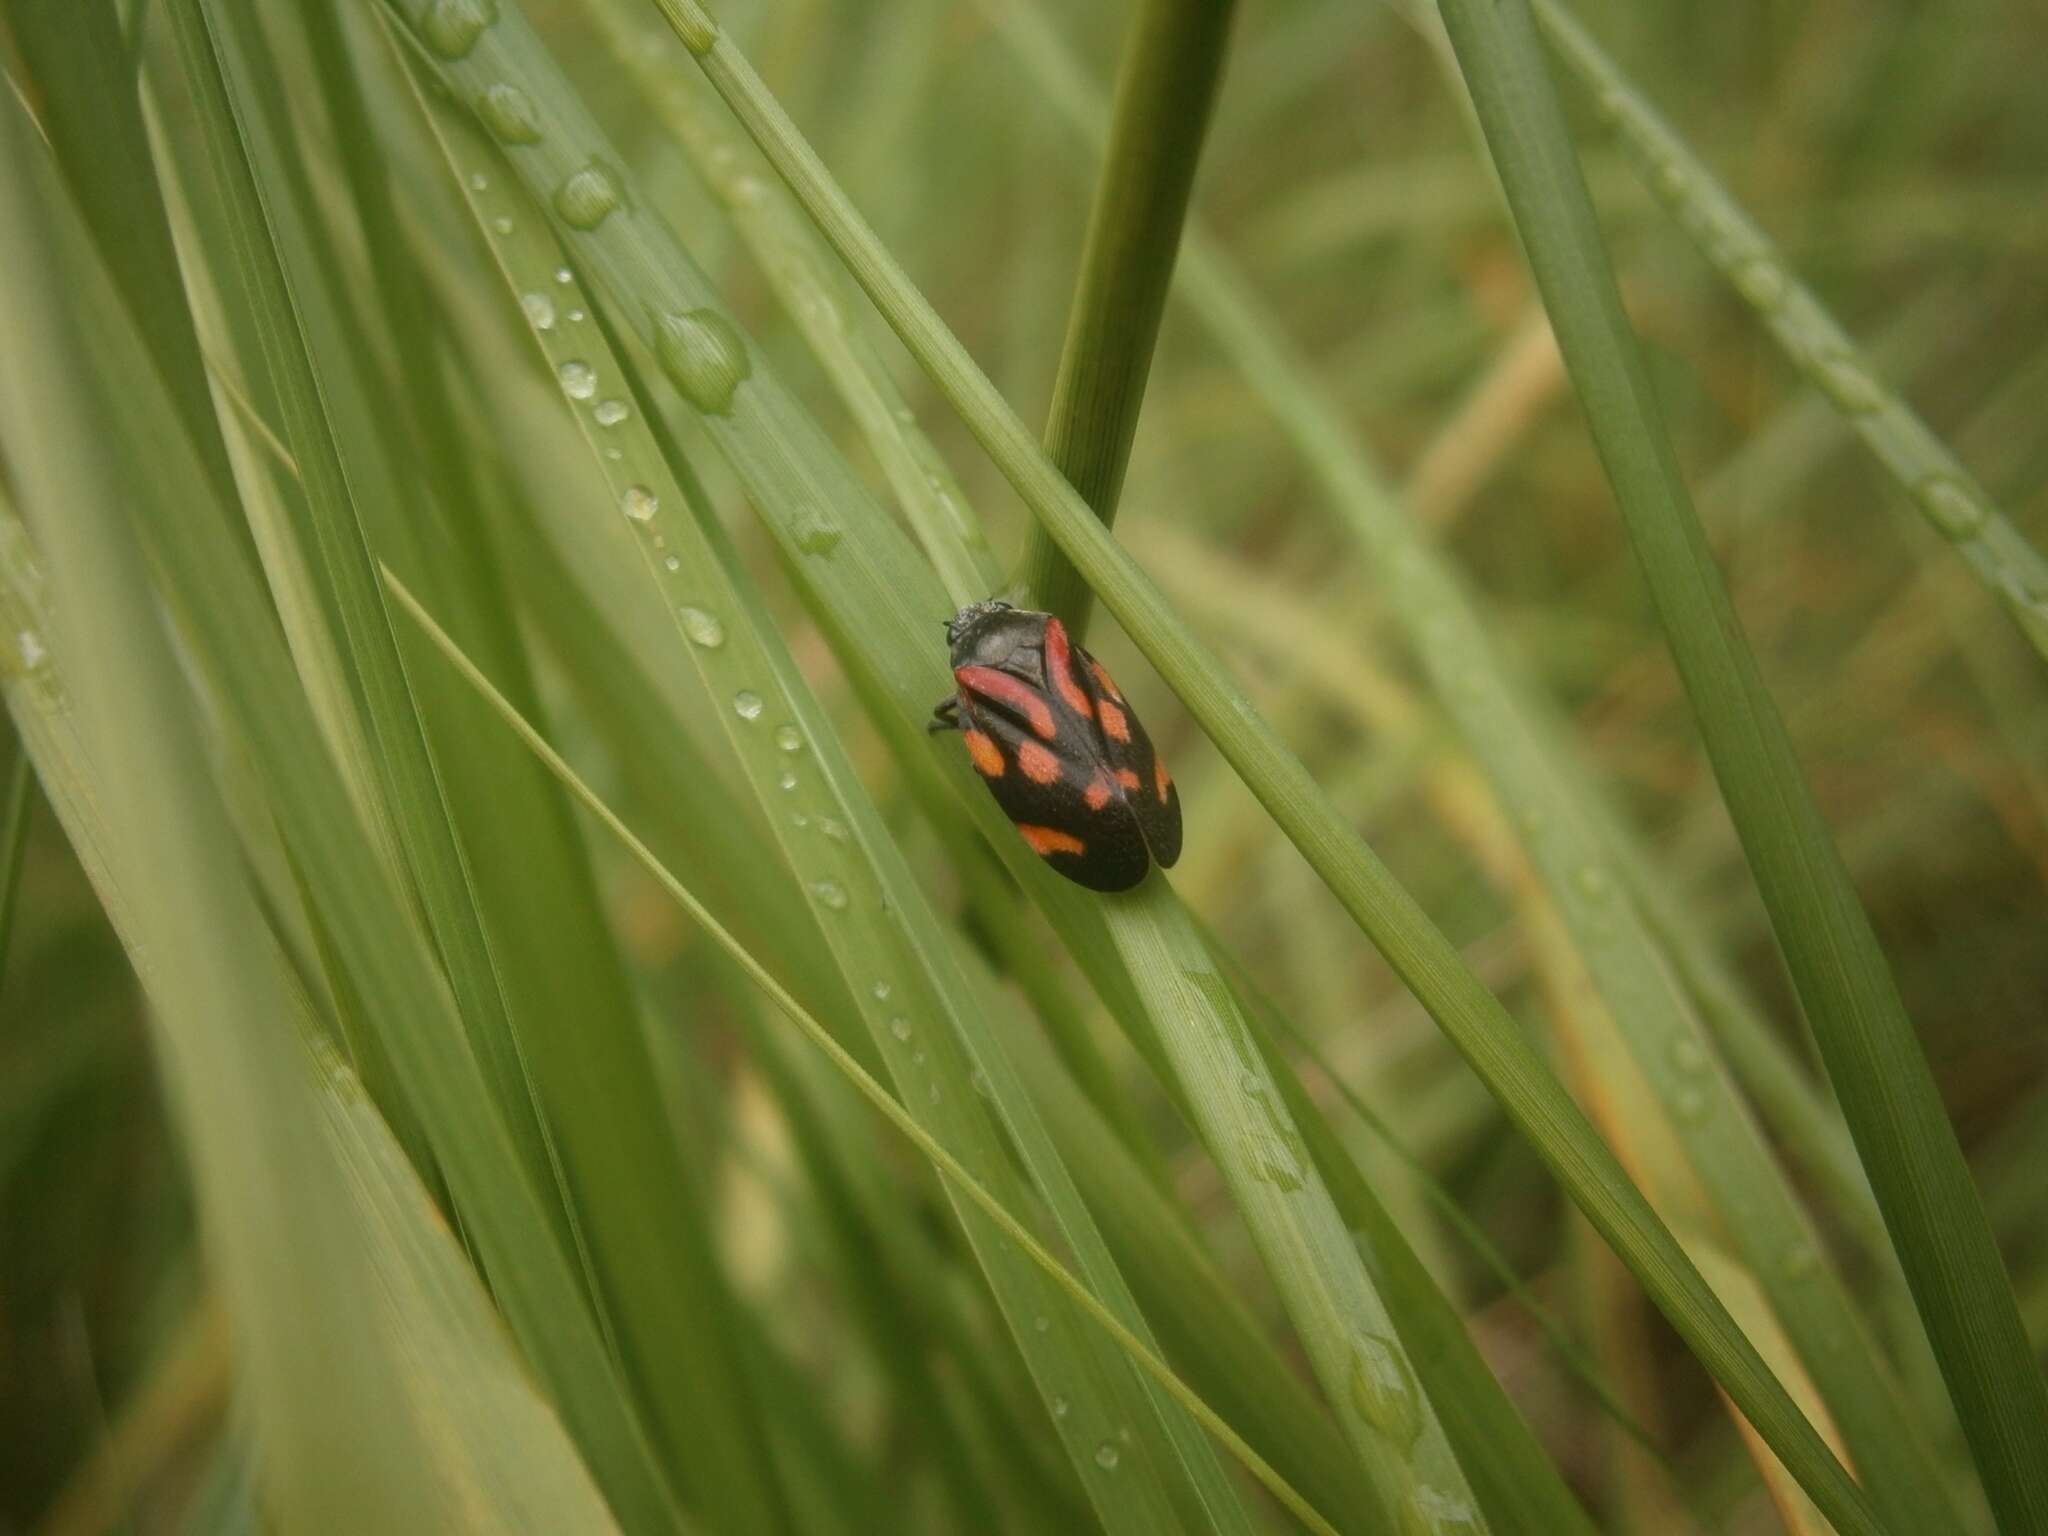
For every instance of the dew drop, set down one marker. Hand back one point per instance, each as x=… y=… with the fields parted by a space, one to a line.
x=587 y=194
x=747 y=704
x=917 y=1057
x=1800 y=1260
x=540 y=310
x=788 y=779
x=702 y=628
x=1432 y=1512
x=509 y=113
x=1950 y=507
x=479 y=182
x=978 y=1080
x=830 y=894
x=699 y=32
x=1271 y=1163
x=799 y=820
x=703 y=356
x=1847 y=383
x=609 y=413
x=578 y=381
x=29 y=652
x=1106 y=1456
x=564 y=276
x=789 y=738
x=672 y=563
x=1592 y=881
x=1383 y=1389
x=1689 y=1056
x=900 y=1028
x=451 y=27
x=639 y=503
x=816 y=534
x=576 y=317
x=833 y=828
x=1690 y=1105
x=932 y=1094
x=502 y=225
x=1761 y=281
x=1060 y=1407
x=881 y=991
x=1041 y=1322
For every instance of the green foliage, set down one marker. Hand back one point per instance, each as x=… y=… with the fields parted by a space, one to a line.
x=508 y=1021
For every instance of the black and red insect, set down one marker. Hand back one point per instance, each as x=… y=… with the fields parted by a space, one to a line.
x=1058 y=747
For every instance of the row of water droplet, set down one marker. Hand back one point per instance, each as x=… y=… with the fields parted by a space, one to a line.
x=1737 y=247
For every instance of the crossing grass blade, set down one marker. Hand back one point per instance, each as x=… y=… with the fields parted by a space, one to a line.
x=1875 y=1061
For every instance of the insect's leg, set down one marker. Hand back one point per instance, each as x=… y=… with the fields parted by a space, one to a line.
x=945 y=716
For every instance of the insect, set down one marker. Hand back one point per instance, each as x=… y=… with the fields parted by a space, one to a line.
x=1058 y=747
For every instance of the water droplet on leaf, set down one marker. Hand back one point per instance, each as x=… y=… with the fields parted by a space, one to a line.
x=703 y=356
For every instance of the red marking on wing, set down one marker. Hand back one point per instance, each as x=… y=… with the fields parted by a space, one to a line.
x=1098 y=793
x=988 y=757
x=1113 y=723
x=1050 y=840
x=1102 y=676
x=1039 y=765
x=1059 y=667
x=1127 y=778
x=1160 y=781
x=1005 y=689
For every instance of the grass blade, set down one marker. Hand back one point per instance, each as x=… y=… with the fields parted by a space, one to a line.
x=1935 y=481
x=233 y=631
x=1880 y=1075
x=1172 y=58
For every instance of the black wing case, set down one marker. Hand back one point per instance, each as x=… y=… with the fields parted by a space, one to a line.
x=1139 y=775
x=1057 y=792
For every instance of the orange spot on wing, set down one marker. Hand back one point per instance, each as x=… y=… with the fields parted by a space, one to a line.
x=1005 y=689
x=1060 y=668
x=1160 y=781
x=1102 y=676
x=1113 y=723
x=1045 y=841
x=1128 y=779
x=1098 y=793
x=988 y=757
x=1039 y=765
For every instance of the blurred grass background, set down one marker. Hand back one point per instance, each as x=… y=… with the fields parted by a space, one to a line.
x=1897 y=156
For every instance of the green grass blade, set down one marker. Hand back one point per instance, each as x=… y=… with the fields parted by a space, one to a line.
x=956 y=1173
x=329 y=1349
x=233 y=631
x=1172 y=58
x=1417 y=950
x=637 y=1207
x=1880 y=1075
x=15 y=806
x=1935 y=481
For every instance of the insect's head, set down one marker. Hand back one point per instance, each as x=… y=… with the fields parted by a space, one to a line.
x=971 y=615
